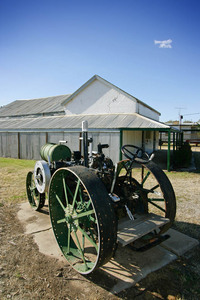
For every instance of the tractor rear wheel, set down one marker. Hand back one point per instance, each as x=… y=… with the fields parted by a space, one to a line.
x=82 y=217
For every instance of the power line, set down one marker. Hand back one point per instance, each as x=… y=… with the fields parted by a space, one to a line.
x=191 y=114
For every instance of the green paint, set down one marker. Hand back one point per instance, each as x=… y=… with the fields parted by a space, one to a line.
x=168 y=151
x=145 y=178
x=60 y=202
x=65 y=191
x=75 y=194
x=83 y=214
x=87 y=237
x=154 y=204
x=120 y=145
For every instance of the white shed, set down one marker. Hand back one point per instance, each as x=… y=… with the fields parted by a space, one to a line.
x=114 y=116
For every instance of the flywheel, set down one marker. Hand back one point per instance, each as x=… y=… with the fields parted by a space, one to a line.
x=42 y=175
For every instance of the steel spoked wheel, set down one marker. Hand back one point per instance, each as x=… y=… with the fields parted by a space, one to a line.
x=156 y=193
x=82 y=218
x=35 y=198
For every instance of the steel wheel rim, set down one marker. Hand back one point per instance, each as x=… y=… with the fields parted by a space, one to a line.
x=157 y=194
x=75 y=221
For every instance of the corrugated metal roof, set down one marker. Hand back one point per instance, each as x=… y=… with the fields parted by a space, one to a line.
x=103 y=121
x=34 y=106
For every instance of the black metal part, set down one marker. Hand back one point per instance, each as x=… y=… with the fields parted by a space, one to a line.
x=77 y=155
x=142 y=244
x=134 y=153
x=101 y=146
x=85 y=148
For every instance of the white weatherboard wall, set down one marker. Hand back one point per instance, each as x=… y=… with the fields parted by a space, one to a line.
x=132 y=138
x=135 y=138
x=147 y=112
x=99 y=98
x=110 y=138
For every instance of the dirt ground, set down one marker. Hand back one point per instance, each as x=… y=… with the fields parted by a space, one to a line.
x=27 y=274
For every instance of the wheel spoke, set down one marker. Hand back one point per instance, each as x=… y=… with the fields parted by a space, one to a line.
x=88 y=204
x=80 y=194
x=93 y=220
x=65 y=191
x=87 y=237
x=83 y=214
x=61 y=221
x=157 y=199
x=92 y=235
x=145 y=178
x=155 y=187
x=70 y=192
x=156 y=205
x=75 y=194
x=81 y=251
x=68 y=240
x=60 y=202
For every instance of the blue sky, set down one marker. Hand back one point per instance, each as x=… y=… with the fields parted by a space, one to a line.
x=52 y=47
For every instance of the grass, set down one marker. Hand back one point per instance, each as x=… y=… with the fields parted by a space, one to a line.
x=18 y=163
x=13 y=179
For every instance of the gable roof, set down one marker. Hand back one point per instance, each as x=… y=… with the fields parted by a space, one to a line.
x=40 y=106
x=97 y=77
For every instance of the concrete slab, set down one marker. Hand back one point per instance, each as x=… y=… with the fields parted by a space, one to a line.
x=179 y=243
x=47 y=244
x=127 y=267
x=32 y=220
x=39 y=225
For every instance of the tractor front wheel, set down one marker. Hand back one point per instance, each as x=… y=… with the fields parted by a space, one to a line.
x=35 y=198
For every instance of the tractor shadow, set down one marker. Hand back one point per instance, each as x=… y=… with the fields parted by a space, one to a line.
x=133 y=269
x=45 y=210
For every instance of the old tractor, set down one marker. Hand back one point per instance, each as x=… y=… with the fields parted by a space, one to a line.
x=94 y=205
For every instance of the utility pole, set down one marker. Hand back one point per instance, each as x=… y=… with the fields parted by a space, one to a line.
x=180 y=116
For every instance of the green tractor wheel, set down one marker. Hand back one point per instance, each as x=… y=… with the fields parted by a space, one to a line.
x=152 y=193
x=82 y=218
x=157 y=190
x=35 y=198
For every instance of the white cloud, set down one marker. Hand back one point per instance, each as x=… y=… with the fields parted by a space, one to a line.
x=164 y=44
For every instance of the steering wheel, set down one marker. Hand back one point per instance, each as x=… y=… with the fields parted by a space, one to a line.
x=127 y=150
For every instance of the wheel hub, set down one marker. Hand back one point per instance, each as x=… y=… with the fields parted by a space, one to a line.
x=70 y=217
